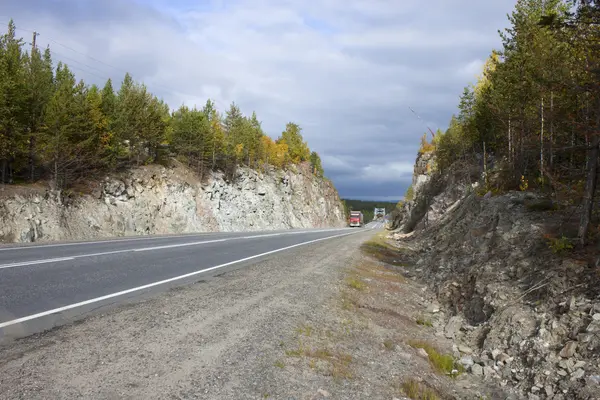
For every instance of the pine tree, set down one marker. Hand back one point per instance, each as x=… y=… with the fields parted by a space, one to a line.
x=297 y=147
x=13 y=103
x=59 y=127
x=315 y=163
x=40 y=85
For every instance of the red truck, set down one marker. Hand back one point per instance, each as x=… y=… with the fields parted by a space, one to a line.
x=356 y=218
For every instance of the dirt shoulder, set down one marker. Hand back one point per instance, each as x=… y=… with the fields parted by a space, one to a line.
x=327 y=321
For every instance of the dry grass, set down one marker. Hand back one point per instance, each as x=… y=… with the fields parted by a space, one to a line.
x=339 y=362
x=348 y=301
x=304 y=330
x=389 y=344
x=378 y=272
x=379 y=248
x=424 y=321
x=355 y=283
x=417 y=391
x=443 y=363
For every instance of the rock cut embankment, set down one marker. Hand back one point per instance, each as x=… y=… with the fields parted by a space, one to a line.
x=522 y=315
x=161 y=200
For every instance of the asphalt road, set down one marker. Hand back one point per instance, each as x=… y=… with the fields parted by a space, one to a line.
x=42 y=286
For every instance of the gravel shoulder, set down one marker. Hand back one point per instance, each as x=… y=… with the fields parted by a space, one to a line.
x=324 y=321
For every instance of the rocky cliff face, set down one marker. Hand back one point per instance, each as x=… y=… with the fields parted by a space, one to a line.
x=159 y=200
x=521 y=314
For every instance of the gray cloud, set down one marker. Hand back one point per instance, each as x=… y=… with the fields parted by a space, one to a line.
x=345 y=70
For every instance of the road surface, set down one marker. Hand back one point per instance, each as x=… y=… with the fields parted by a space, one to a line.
x=46 y=285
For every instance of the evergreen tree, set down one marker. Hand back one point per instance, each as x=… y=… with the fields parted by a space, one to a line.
x=40 y=84
x=13 y=103
x=297 y=147
x=315 y=163
x=60 y=126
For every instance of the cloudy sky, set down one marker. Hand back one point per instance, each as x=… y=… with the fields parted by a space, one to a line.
x=347 y=71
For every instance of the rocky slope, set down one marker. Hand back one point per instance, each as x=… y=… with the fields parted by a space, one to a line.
x=520 y=314
x=160 y=200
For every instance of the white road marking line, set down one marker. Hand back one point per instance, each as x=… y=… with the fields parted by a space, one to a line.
x=150 y=285
x=170 y=246
x=70 y=258
x=135 y=239
x=24 y=263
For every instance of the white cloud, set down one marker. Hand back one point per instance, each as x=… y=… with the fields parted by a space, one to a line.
x=346 y=70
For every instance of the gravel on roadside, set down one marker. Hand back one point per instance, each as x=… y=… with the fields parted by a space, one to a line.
x=294 y=326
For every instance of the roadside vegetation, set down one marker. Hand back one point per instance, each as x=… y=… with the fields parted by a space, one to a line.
x=533 y=116
x=55 y=127
x=378 y=335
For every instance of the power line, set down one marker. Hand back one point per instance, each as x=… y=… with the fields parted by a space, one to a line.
x=79 y=68
x=49 y=39
x=62 y=56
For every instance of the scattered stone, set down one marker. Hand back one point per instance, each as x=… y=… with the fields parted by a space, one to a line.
x=596 y=317
x=422 y=353
x=504 y=358
x=495 y=353
x=465 y=349
x=593 y=380
x=578 y=374
x=477 y=369
x=549 y=390
x=569 y=350
x=466 y=362
x=433 y=308
x=323 y=393
x=452 y=327
x=489 y=372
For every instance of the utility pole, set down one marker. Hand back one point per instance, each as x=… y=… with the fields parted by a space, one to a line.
x=32 y=122
x=35 y=35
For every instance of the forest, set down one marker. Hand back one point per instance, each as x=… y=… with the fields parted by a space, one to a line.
x=55 y=128
x=534 y=113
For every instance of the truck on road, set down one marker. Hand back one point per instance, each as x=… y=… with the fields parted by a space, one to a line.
x=356 y=219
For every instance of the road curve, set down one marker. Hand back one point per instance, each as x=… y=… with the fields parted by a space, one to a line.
x=45 y=285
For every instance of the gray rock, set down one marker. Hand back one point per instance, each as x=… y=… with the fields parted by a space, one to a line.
x=495 y=353
x=466 y=362
x=477 y=369
x=578 y=374
x=489 y=372
x=592 y=380
x=465 y=349
x=452 y=327
x=569 y=350
x=433 y=308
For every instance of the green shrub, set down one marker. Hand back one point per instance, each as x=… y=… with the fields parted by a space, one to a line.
x=560 y=245
x=443 y=363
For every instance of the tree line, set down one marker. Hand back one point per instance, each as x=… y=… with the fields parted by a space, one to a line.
x=367 y=207
x=55 y=127
x=535 y=110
